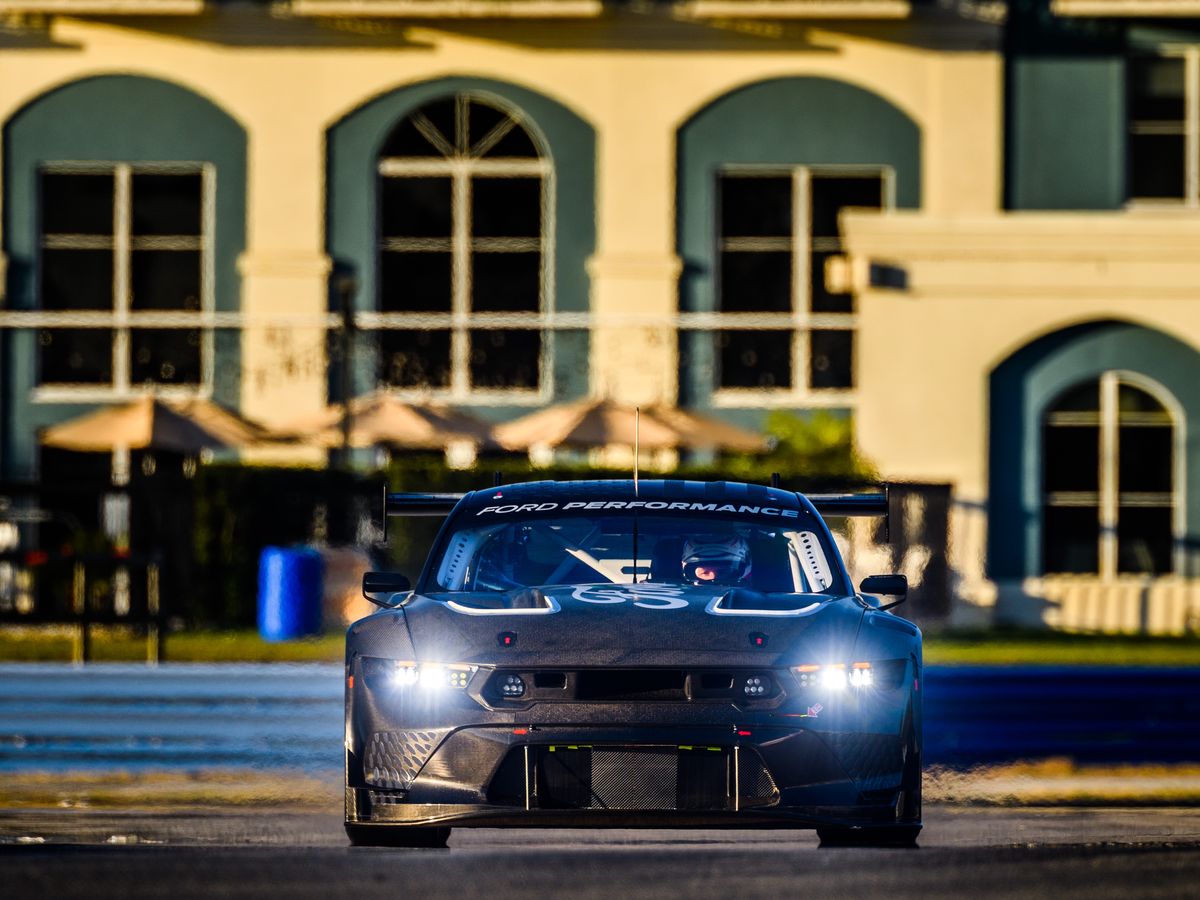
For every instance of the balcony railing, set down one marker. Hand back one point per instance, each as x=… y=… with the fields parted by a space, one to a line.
x=488 y=9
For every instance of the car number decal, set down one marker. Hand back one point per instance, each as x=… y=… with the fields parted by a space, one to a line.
x=647 y=595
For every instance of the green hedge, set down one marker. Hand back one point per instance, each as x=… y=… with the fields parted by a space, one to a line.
x=238 y=510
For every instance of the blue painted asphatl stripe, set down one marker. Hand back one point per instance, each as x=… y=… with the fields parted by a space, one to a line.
x=1091 y=714
x=197 y=716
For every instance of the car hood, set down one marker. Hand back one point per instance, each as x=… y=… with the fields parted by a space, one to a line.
x=641 y=624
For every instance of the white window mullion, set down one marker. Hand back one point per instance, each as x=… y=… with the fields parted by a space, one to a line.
x=460 y=300
x=801 y=279
x=1191 y=94
x=208 y=273
x=546 y=302
x=547 y=305
x=462 y=126
x=1109 y=467
x=122 y=282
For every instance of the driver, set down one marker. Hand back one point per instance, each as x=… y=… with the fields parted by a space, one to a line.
x=716 y=559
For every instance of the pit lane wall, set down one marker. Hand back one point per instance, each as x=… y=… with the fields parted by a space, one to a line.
x=281 y=718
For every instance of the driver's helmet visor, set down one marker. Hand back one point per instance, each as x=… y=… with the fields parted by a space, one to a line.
x=714 y=571
x=716 y=559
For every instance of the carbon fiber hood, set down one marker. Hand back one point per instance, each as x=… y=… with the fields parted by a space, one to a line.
x=643 y=624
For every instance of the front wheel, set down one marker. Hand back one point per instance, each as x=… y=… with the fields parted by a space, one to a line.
x=393 y=836
x=907 y=824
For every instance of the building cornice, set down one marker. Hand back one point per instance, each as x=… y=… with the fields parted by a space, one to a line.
x=1125 y=8
x=1086 y=255
x=103 y=7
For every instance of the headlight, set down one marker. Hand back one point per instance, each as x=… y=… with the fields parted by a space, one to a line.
x=398 y=674
x=835 y=676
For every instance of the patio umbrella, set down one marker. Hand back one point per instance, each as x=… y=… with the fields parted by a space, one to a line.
x=151 y=423
x=601 y=422
x=701 y=432
x=380 y=419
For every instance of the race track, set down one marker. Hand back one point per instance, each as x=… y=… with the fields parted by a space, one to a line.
x=964 y=852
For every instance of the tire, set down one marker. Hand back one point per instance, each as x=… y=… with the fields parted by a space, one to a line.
x=908 y=804
x=397 y=836
x=882 y=836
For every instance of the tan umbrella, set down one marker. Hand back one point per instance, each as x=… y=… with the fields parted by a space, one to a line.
x=584 y=423
x=151 y=423
x=598 y=423
x=380 y=419
x=700 y=432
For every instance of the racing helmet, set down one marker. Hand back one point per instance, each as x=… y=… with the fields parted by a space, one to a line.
x=715 y=559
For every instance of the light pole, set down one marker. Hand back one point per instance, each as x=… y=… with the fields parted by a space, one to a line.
x=345 y=283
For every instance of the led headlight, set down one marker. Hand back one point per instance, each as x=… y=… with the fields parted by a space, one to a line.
x=861 y=675
x=404 y=674
x=835 y=676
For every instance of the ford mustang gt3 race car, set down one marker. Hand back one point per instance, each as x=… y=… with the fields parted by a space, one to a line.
x=612 y=653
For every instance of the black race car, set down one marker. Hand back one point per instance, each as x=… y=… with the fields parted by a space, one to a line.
x=612 y=653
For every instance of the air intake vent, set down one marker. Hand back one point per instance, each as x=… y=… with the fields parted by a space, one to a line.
x=631 y=684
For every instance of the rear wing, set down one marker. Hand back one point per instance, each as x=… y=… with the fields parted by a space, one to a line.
x=416 y=504
x=875 y=503
x=419 y=504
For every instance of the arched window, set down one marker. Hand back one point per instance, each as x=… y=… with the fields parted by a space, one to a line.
x=1108 y=479
x=464 y=250
x=767 y=314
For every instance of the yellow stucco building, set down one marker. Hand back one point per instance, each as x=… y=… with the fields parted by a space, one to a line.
x=532 y=201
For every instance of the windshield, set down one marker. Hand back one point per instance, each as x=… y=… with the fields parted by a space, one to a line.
x=535 y=552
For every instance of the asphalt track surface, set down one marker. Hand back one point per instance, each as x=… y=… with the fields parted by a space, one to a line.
x=964 y=852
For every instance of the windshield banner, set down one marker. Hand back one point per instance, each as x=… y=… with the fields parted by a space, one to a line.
x=678 y=506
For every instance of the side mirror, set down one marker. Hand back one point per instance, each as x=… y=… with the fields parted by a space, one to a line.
x=889 y=585
x=381 y=588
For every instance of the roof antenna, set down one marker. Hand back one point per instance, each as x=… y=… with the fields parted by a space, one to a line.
x=637 y=424
x=637 y=427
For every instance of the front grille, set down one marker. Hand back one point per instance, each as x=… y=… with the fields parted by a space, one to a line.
x=634 y=685
x=685 y=777
x=618 y=685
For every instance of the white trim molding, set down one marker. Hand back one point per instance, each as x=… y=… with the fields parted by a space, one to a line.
x=450 y=9
x=792 y=9
x=103 y=7
x=1123 y=8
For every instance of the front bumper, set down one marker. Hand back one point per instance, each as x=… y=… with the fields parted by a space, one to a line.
x=798 y=757
x=616 y=776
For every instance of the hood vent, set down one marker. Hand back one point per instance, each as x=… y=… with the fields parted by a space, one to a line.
x=522 y=602
x=740 y=602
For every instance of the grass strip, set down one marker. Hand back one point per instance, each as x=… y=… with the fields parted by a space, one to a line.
x=53 y=643
x=1022 y=648
x=22 y=643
